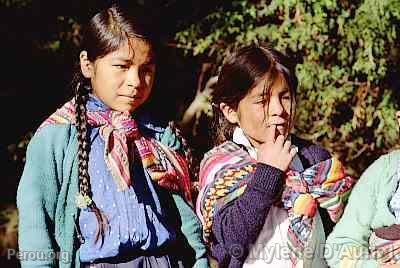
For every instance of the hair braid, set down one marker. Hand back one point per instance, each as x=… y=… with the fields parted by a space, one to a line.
x=187 y=151
x=81 y=96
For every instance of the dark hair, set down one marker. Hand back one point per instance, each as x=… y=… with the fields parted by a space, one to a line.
x=104 y=33
x=241 y=71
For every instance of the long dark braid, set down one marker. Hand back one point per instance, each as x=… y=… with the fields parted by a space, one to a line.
x=187 y=152
x=81 y=96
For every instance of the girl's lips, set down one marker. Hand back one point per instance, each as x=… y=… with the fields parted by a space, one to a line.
x=130 y=97
x=280 y=129
x=277 y=124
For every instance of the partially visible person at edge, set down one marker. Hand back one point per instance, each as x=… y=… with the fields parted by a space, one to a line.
x=260 y=186
x=368 y=234
x=102 y=186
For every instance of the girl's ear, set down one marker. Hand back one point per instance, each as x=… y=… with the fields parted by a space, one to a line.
x=398 y=117
x=229 y=113
x=87 y=67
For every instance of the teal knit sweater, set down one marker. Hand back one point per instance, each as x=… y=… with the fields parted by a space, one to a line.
x=367 y=209
x=46 y=203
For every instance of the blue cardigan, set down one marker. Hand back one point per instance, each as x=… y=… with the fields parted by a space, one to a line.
x=46 y=203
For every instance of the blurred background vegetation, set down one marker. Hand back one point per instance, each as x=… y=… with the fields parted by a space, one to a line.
x=348 y=68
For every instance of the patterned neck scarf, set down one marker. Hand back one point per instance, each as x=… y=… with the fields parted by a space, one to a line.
x=226 y=170
x=122 y=141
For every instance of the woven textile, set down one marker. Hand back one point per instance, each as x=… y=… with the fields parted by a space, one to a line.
x=122 y=140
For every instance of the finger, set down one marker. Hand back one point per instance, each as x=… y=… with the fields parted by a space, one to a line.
x=271 y=129
x=286 y=146
x=293 y=151
x=280 y=140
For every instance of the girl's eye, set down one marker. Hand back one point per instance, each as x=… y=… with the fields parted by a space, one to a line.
x=286 y=97
x=121 y=66
x=261 y=101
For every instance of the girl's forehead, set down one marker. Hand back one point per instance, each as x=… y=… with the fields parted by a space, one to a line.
x=136 y=50
x=266 y=83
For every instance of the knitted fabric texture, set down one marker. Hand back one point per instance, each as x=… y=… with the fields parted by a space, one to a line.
x=121 y=135
x=226 y=170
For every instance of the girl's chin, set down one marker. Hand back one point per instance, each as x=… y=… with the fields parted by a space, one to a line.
x=124 y=108
x=127 y=106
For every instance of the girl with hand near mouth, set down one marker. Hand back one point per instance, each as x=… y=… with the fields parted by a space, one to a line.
x=260 y=186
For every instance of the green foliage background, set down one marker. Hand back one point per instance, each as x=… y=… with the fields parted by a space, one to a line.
x=348 y=54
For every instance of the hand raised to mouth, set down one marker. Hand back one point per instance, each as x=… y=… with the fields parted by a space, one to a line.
x=276 y=151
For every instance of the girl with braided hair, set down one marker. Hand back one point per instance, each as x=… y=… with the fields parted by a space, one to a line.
x=263 y=190
x=103 y=186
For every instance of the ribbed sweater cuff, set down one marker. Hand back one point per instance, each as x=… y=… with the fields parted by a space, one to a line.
x=267 y=178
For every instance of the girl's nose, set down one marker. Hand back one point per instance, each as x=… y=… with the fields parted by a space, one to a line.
x=275 y=106
x=133 y=77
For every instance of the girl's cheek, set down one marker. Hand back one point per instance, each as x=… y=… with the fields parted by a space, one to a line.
x=120 y=80
x=287 y=105
x=150 y=80
x=262 y=113
x=258 y=118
